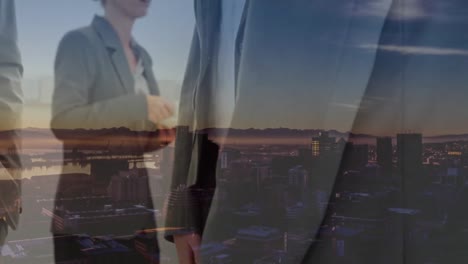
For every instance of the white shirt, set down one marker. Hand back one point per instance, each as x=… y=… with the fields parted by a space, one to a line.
x=223 y=92
x=141 y=85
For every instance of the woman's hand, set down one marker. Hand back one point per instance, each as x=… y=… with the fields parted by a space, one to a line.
x=187 y=246
x=159 y=108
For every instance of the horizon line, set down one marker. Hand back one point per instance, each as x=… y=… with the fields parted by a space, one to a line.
x=267 y=128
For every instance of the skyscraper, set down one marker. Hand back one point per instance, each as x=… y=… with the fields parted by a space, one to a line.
x=355 y=156
x=384 y=152
x=361 y=155
x=410 y=151
x=322 y=144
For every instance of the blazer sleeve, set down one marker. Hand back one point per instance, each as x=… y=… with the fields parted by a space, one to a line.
x=75 y=75
x=11 y=101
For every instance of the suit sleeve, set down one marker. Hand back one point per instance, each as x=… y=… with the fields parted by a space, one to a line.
x=181 y=207
x=10 y=112
x=75 y=74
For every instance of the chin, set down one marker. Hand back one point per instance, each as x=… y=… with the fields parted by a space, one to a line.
x=139 y=13
x=143 y=14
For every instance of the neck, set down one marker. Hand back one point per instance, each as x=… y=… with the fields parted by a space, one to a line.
x=122 y=24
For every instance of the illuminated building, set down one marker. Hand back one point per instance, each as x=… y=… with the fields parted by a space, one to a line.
x=322 y=144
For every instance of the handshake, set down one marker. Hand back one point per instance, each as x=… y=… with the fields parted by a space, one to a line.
x=161 y=112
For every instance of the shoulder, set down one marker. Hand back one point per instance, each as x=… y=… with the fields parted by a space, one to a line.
x=78 y=47
x=81 y=38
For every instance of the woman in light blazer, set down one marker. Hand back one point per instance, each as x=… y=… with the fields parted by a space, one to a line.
x=104 y=85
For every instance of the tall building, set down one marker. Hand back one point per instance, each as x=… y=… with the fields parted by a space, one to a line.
x=297 y=176
x=355 y=156
x=298 y=181
x=261 y=172
x=384 y=152
x=323 y=144
x=409 y=152
x=361 y=155
x=129 y=187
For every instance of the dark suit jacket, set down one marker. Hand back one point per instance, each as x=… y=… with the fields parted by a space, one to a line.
x=195 y=155
x=374 y=69
x=252 y=44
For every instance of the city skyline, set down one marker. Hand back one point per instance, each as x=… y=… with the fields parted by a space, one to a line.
x=348 y=142
x=281 y=181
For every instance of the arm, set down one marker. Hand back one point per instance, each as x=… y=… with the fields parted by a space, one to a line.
x=193 y=179
x=179 y=211
x=10 y=112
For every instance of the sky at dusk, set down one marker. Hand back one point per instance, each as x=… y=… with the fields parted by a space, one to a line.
x=341 y=65
x=166 y=32
x=306 y=64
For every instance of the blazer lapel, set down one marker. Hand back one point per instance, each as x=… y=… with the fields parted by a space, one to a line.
x=148 y=70
x=116 y=53
x=152 y=83
x=120 y=64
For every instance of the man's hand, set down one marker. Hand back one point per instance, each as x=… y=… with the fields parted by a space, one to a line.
x=187 y=248
x=159 y=108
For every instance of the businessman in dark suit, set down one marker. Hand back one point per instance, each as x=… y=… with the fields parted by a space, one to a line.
x=10 y=112
x=354 y=66
x=279 y=51
x=207 y=100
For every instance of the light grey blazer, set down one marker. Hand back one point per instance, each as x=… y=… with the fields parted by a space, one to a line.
x=94 y=87
x=11 y=102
